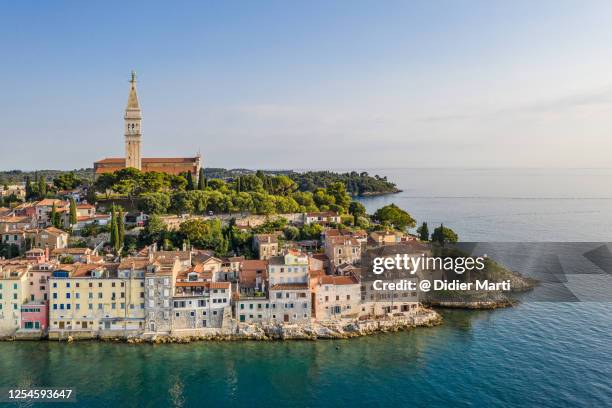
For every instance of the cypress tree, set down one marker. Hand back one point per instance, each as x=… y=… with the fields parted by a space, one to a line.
x=238 y=186
x=441 y=236
x=114 y=232
x=424 y=232
x=73 y=212
x=189 y=181
x=53 y=217
x=201 y=179
x=120 y=227
x=28 y=189
x=42 y=187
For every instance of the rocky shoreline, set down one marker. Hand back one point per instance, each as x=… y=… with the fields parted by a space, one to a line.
x=378 y=193
x=277 y=332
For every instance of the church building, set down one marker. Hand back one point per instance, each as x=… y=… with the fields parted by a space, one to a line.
x=133 y=138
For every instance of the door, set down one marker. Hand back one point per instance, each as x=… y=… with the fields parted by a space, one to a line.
x=84 y=325
x=107 y=325
x=286 y=318
x=152 y=327
x=61 y=325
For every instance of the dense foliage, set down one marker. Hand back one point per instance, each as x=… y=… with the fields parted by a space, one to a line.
x=19 y=176
x=355 y=183
x=160 y=193
x=393 y=216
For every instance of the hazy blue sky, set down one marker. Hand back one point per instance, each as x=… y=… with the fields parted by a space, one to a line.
x=308 y=85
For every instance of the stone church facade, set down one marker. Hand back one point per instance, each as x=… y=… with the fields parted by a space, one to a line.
x=133 y=139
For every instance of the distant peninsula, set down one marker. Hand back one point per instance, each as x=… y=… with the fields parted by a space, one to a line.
x=357 y=183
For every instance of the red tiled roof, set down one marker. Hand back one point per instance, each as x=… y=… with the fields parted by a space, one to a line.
x=338 y=280
x=290 y=286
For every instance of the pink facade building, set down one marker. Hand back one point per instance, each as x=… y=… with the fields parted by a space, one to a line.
x=35 y=316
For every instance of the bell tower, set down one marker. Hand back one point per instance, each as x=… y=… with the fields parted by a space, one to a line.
x=133 y=121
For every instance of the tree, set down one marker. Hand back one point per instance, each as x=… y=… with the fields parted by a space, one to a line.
x=341 y=197
x=29 y=193
x=443 y=235
x=393 y=215
x=120 y=227
x=104 y=183
x=190 y=186
x=311 y=231
x=281 y=185
x=154 y=203
x=356 y=209
x=292 y=233
x=322 y=199
x=423 y=232
x=304 y=198
x=154 y=230
x=204 y=234
x=67 y=181
x=73 y=212
x=53 y=216
x=251 y=182
x=42 y=187
x=216 y=184
x=201 y=180
x=114 y=229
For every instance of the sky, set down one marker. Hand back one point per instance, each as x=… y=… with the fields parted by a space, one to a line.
x=317 y=84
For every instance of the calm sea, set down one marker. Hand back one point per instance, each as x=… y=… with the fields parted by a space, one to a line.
x=534 y=355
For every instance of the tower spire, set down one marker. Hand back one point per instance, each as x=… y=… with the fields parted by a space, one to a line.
x=133 y=120
x=133 y=106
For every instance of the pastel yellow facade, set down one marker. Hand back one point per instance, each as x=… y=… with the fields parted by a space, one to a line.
x=96 y=304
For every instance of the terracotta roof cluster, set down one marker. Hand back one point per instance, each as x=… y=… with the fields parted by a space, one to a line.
x=338 y=280
x=48 y=202
x=71 y=251
x=290 y=286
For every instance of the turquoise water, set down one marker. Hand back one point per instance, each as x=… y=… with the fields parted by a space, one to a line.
x=539 y=355
x=534 y=355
